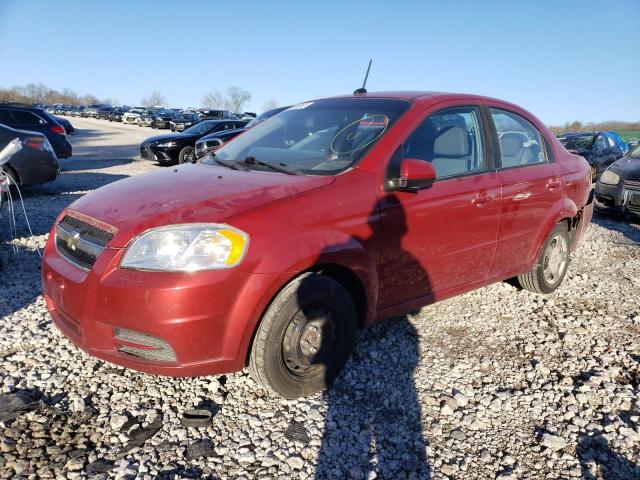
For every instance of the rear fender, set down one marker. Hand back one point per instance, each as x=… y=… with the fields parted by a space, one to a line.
x=563 y=209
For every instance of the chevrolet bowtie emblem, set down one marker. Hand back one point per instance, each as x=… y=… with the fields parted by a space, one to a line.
x=72 y=242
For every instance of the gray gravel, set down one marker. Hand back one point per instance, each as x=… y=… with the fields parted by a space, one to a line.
x=497 y=383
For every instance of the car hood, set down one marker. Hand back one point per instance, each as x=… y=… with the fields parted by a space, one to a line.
x=193 y=193
x=627 y=167
x=170 y=136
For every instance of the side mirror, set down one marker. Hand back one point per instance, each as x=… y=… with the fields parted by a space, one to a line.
x=415 y=175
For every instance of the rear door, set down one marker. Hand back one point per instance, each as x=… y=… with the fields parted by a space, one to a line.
x=531 y=185
x=443 y=237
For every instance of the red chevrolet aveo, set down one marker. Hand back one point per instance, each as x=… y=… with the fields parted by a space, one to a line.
x=333 y=215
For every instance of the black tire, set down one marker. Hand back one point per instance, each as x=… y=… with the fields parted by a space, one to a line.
x=310 y=304
x=544 y=277
x=186 y=155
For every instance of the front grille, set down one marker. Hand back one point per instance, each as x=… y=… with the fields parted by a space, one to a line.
x=80 y=242
x=86 y=228
x=632 y=185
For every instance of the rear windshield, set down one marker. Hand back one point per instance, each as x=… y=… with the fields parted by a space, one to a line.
x=578 y=142
x=322 y=137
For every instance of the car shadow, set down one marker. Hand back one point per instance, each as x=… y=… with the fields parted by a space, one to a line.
x=388 y=441
x=598 y=459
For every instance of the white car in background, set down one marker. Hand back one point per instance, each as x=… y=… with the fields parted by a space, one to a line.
x=133 y=115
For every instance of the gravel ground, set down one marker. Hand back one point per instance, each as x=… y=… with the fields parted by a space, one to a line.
x=496 y=383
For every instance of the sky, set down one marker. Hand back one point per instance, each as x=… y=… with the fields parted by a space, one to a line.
x=562 y=60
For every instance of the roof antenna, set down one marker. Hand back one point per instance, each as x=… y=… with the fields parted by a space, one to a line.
x=362 y=91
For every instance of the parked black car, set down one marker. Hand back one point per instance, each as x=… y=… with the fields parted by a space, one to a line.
x=103 y=112
x=22 y=117
x=183 y=121
x=209 y=114
x=600 y=149
x=35 y=163
x=116 y=114
x=180 y=147
x=214 y=140
x=162 y=118
x=66 y=124
x=618 y=188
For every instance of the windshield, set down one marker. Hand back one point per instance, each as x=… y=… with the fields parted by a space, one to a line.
x=200 y=128
x=635 y=153
x=323 y=137
x=578 y=142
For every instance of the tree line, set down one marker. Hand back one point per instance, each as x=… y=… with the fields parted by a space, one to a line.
x=233 y=98
x=577 y=126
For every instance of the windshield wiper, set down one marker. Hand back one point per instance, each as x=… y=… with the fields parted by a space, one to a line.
x=273 y=166
x=228 y=163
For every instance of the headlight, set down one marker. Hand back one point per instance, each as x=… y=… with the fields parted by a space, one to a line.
x=167 y=144
x=187 y=248
x=610 y=178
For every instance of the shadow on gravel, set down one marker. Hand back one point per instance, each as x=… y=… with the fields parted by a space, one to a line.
x=598 y=460
x=80 y=163
x=373 y=424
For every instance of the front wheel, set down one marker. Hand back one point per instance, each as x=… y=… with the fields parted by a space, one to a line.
x=552 y=263
x=305 y=337
x=187 y=155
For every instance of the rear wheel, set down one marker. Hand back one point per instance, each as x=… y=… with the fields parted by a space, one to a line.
x=187 y=155
x=552 y=263
x=305 y=337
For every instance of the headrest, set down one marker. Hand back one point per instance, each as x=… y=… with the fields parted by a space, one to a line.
x=452 y=142
x=510 y=144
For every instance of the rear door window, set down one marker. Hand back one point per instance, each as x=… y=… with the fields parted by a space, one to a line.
x=25 y=118
x=451 y=140
x=6 y=118
x=520 y=142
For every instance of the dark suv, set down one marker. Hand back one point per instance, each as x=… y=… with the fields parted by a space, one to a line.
x=33 y=119
x=600 y=149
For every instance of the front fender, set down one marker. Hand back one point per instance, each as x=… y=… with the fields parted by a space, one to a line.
x=296 y=255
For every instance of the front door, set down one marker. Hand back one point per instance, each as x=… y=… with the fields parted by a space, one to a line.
x=443 y=237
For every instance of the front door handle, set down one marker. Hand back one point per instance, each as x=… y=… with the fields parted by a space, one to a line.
x=480 y=200
x=551 y=184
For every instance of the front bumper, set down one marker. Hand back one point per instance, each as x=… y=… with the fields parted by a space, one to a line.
x=159 y=154
x=621 y=199
x=205 y=318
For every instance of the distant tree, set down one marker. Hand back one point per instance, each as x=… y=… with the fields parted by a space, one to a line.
x=269 y=104
x=215 y=99
x=237 y=98
x=156 y=98
x=89 y=99
x=109 y=101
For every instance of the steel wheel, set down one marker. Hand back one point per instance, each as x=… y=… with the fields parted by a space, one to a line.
x=309 y=340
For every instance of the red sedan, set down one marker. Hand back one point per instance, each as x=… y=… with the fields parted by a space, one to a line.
x=332 y=215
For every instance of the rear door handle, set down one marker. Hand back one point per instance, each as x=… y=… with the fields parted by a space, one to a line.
x=480 y=200
x=551 y=184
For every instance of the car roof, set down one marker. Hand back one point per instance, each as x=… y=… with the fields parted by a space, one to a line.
x=427 y=97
